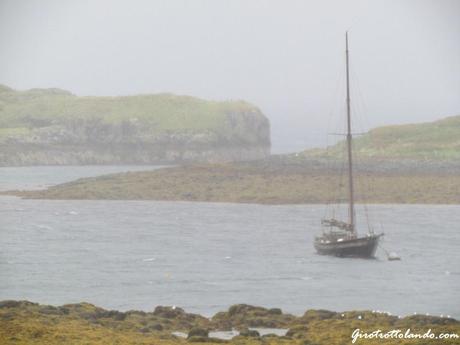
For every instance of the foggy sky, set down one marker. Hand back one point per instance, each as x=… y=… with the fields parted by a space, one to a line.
x=287 y=57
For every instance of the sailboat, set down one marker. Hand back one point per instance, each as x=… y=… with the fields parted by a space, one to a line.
x=340 y=238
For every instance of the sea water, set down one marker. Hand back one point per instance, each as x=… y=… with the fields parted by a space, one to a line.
x=205 y=257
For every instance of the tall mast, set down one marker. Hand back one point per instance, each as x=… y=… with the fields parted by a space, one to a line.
x=351 y=201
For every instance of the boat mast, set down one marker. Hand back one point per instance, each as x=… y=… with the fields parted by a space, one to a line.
x=349 y=147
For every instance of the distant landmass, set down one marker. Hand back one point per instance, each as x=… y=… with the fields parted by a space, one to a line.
x=53 y=126
x=395 y=164
x=439 y=140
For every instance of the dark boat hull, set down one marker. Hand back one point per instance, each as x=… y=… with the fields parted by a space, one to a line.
x=362 y=247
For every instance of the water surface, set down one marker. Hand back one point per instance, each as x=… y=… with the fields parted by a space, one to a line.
x=205 y=257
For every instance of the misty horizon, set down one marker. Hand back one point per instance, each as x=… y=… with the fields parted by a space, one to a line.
x=285 y=58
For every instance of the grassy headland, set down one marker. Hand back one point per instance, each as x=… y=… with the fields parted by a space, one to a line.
x=438 y=140
x=30 y=323
x=22 y=111
x=53 y=126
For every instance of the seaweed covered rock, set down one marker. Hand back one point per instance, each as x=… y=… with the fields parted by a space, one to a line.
x=176 y=318
x=197 y=339
x=198 y=332
x=168 y=312
x=16 y=304
x=244 y=315
x=423 y=320
x=297 y=331
x=246 y=332
x=319 y=314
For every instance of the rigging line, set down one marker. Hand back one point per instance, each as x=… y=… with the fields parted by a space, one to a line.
x=367 y=184
x=331 y=146
x=360 y=109
x=338 y=90
x=337 y=171
x=371 y=181
x=360 y=101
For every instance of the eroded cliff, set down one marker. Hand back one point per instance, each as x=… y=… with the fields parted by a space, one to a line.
x=53 y=126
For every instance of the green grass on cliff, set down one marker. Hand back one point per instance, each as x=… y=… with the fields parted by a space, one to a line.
x=22 y=110
x=427 y=141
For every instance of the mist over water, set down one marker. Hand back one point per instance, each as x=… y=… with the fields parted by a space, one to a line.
x=287 y=57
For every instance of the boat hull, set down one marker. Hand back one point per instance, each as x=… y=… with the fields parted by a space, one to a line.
x=362 y=247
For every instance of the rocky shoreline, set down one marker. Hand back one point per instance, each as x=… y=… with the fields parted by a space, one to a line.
x=25 y=322
x=286 y=179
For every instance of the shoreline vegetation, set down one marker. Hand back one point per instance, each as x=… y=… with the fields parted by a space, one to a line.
x=283 y=179
x=25 y=322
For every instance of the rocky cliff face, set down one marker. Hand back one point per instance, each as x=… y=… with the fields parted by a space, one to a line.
x=52 y=126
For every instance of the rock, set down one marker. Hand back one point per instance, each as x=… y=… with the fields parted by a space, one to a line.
x=318 y=315
x=198 y=332
x=246 y=332
x=244 y=315
x=275 y=311
x=10 y=304
x=168 y=312
x=197 y=339
x=297 y=331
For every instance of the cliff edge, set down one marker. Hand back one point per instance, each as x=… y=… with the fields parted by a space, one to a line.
x=55 y=127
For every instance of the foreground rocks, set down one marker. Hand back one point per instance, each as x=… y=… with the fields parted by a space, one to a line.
x=24 y=322
x=242 y=316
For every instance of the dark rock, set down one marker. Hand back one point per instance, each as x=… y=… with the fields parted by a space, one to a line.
x=156 y=327
x=112 y=314
x=136 y=312
x=263 y=322
x=244 y=315
x=297 y=331
x=15 y=304
x=10 y=304
x=318 y=315
x=198 y=332
x=168 y=312
x=423 y=320
x=197 y=339
x=275 y=311
x=64 y=310
x=241 y=309
x=246 y=332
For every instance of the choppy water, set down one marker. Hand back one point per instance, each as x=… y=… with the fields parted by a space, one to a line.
x=207 y=256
